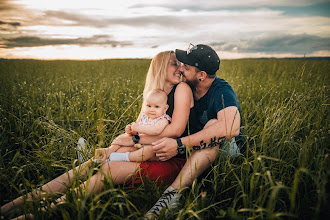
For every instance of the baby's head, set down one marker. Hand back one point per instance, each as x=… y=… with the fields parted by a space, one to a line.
x=155 y=103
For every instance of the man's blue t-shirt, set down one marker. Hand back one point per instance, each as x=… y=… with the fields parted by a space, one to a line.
x=219 y=96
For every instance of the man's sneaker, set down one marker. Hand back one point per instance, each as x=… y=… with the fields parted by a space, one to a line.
x=168 y=200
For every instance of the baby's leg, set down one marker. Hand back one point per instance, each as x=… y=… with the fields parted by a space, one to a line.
x=132 y=154
x=143 y=154
x=113 y=148
x=126 y=149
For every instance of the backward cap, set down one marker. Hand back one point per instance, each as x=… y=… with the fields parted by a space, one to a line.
x=201 y=56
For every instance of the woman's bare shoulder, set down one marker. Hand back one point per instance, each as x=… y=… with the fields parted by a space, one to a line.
x=184 y=92
x=183 y=86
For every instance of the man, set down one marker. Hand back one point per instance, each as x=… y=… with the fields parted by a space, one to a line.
x=214 y=122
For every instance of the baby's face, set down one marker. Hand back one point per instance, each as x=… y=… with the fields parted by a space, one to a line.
x=155 y=107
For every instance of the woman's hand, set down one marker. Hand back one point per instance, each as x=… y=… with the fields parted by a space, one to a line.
x=165 y=148
x=124 y=140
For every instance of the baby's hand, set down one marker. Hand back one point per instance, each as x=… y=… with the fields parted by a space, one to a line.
x=134 y=127
x=128 y=129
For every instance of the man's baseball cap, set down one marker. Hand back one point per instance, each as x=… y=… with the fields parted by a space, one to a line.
x=201 y=56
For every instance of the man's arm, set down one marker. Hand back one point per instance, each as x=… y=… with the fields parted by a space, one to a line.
x=226 y=127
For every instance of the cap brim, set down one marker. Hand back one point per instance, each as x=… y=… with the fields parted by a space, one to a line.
x=181 y=55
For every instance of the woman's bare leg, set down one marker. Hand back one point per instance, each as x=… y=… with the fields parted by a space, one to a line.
x=56 y=185
x=118 y=171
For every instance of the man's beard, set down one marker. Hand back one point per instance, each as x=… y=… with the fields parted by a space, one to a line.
x=192 y=83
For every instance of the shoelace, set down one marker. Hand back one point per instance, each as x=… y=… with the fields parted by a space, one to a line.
x=162 y=202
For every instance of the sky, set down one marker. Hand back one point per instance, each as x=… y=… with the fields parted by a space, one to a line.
x=102 y=29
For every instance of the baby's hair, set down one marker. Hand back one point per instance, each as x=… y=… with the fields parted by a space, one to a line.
x=158 y=93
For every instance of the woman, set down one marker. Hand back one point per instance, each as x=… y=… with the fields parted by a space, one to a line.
x=163 y=74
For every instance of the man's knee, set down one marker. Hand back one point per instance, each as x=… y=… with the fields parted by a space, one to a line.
x=208 y=154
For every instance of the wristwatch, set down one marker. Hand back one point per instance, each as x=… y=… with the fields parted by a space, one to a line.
x=136 y=138
x=181 y=147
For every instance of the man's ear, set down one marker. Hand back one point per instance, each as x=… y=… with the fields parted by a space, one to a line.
x=203 y=75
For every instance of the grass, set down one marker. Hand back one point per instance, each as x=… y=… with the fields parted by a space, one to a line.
x=45 y=106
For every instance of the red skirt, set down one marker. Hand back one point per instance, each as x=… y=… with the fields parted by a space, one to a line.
x=162 y=172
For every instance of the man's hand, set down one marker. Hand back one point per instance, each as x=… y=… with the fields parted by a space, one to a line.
x=165 y=148
x=123 y=140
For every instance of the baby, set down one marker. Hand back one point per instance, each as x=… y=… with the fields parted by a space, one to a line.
x=152 y=121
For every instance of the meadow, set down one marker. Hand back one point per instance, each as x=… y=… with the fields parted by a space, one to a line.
x=45 y=106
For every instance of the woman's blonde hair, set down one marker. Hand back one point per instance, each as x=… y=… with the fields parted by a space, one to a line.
x=157 y=72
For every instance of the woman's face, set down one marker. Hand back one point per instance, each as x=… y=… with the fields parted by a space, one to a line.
x=173 y=74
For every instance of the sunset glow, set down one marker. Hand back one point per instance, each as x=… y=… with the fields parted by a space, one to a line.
x=103 y=29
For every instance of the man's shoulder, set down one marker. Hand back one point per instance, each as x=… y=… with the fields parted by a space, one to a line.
x=223 y=90
x=220 y=84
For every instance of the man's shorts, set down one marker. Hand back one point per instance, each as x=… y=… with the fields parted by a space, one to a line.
x=230 y=148
x=164 y=172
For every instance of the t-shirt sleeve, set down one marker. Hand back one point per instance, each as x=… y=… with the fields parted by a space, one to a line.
x=224 y=97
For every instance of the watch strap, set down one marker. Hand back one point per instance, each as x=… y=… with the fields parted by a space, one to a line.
x=181 y=147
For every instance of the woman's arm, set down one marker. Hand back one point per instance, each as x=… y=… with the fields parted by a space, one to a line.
x=155 y=129
x=183 y=101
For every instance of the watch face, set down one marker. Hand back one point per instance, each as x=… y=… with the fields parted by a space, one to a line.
x=181 y=150
x=136 y=139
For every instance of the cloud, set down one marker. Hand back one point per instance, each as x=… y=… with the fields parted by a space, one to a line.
x=9 y=28
x=298 y=44
x=14 y=24
x=74 y=19
x=32 y=41
x=240 y=26
x=252 y=20
x=198 y=5
x=5 y=5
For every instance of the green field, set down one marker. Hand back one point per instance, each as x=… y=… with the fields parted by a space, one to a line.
x=45 y=106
